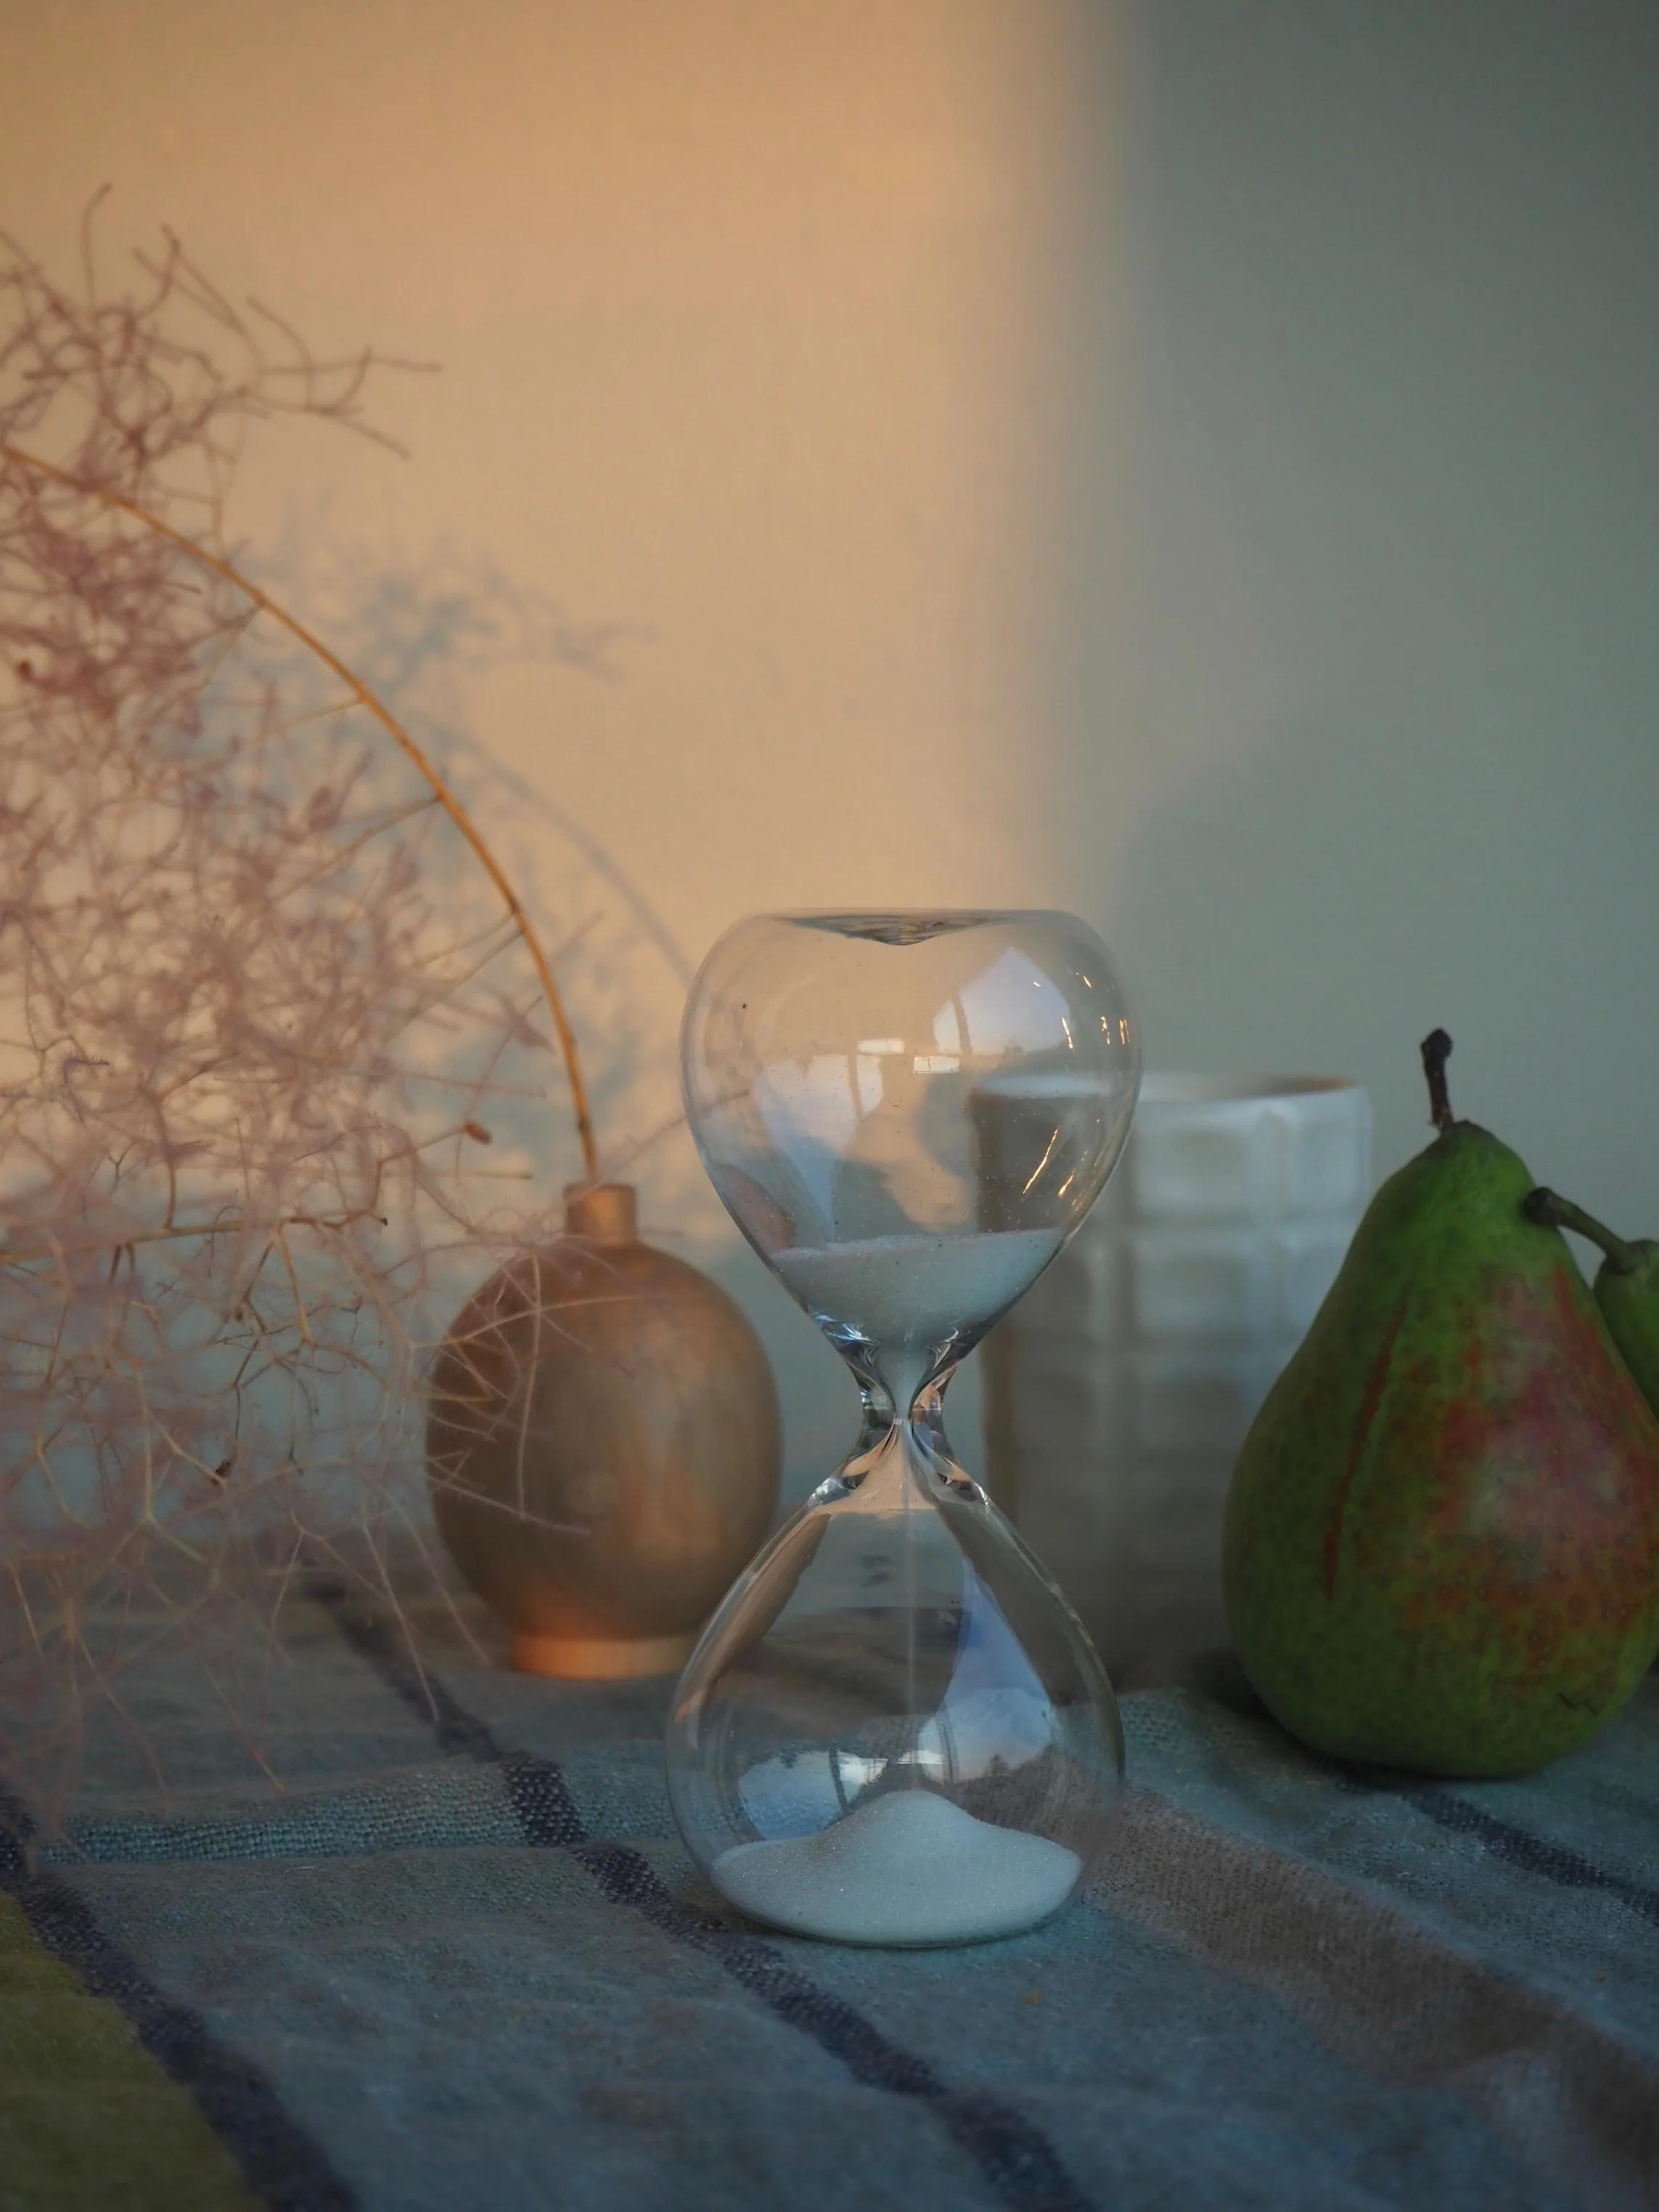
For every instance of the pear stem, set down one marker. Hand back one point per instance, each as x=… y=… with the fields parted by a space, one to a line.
x=1557 y=1212
x=1437 y=1049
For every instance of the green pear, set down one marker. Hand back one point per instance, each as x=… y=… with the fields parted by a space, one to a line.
x=1441 y=1539
x=1626 y=1286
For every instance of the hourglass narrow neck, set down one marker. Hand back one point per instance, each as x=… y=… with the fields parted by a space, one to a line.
x=897 y=1389
x=915 y=1432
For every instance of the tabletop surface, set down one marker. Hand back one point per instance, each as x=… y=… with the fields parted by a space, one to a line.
x=392 y=1933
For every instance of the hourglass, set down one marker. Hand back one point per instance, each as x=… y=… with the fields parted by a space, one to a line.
x=895 y=1731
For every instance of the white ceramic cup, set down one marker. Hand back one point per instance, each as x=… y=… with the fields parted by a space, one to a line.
x=1120 y=1389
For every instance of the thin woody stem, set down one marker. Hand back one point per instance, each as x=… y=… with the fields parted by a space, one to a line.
x=1437 y=1049
x=1557 y=1212
x=227 y=1223
x=177 y=1231
x=394 y=729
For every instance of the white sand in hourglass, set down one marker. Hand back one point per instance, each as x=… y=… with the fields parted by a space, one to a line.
x=915 y=1290
x=907 y=1867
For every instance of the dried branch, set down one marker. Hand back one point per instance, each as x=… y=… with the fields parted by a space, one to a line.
x=255 y=1030
x=441 y=789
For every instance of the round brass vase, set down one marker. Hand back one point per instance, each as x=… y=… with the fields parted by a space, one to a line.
x=603 y=1443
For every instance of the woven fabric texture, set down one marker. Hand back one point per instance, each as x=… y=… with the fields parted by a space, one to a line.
x=445 y=1951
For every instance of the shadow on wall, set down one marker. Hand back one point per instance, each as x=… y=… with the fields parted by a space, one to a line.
x=423 y=637
x=1387 y=315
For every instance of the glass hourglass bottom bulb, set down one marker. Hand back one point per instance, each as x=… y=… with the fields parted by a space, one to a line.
x=895 y=1731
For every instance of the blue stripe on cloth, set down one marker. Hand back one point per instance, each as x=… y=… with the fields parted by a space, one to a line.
x=1516 y=1846
x=1014 y=2156
x=1556 y=1863
x=282 y=2167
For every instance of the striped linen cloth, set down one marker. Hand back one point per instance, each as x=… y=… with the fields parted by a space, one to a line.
x=448 y=1952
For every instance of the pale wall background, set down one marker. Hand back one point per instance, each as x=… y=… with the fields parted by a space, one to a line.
x=1191 y=462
